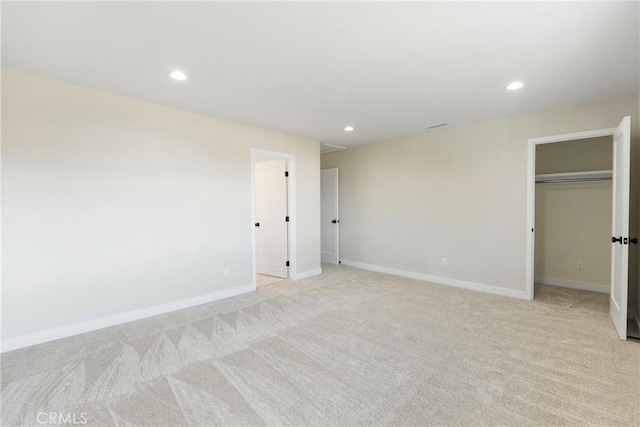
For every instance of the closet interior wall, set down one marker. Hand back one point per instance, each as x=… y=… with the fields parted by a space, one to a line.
x=573 y=218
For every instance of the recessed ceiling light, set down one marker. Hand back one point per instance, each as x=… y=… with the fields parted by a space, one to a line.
x=348 y=128
x=515 y=86
x=178 y=75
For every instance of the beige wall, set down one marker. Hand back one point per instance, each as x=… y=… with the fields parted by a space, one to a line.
x=573 y=223
x=634 y=250
x=456 y=192
x=111 y=204
x=590 y=154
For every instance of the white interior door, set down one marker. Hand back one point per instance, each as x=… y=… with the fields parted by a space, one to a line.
x=620 y=240
x=330 y=228
x=271 y=218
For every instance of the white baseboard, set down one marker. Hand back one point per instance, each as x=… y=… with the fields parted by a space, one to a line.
x=307 y=274
x=571 y=284
x=117 y=319
x=440 y=280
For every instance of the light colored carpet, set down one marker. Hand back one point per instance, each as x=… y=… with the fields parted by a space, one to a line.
x=348 y=348
x=263 y=279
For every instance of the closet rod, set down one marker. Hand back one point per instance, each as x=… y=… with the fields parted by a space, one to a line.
x=560 y=181
x=601 y=175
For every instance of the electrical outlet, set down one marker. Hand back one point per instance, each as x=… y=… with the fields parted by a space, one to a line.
x=580 y=265
x=225 y=272
x=444 y=262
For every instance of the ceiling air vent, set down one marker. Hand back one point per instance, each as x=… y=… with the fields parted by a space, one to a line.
x=330 y=148
x=437 y=126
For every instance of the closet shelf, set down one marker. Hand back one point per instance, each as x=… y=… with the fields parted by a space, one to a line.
x=603 y=175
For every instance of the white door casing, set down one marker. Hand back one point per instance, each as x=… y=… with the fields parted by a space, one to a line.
x=271 y=227
x=620 y=227
x=329 y=216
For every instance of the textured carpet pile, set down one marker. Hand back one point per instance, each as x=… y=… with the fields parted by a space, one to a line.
x=346 y=348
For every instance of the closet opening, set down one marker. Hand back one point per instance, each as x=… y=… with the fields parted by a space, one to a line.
x=573 y=215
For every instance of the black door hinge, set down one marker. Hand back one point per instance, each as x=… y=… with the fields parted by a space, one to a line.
x=287 y=263
x=625 y=240
x=286 y=173
x=286 y=218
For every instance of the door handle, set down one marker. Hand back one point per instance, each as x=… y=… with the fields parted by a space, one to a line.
x=335 y=221
x=257 y=224
x=633 y=240
x=614 y=239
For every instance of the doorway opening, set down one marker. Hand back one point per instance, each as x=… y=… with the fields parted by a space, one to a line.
x=573 y=200
x=578 y=198
x=273 y=202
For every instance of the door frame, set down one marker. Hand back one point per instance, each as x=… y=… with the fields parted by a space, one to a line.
x=531 y=193
x=291 y=208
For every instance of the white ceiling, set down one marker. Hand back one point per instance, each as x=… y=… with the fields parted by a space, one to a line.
x=389 y=69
